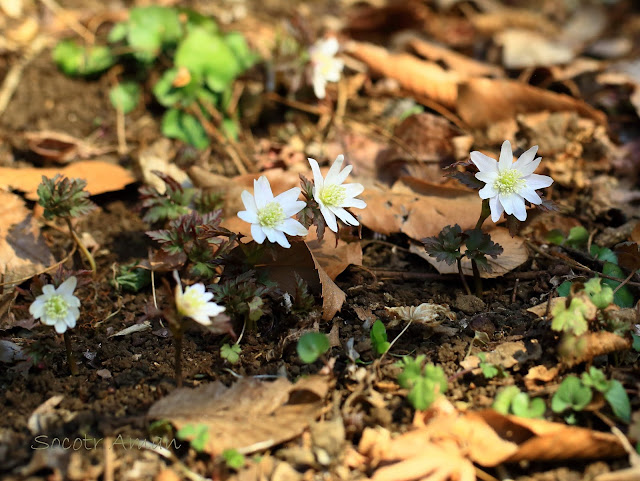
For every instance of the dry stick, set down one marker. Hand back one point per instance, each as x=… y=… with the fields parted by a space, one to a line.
x=577 y=265
x=73 y=367
x=82 y=247
x=633 y=273
x=213 y=132
x=394 y=341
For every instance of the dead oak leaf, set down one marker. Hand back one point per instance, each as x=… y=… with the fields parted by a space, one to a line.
x=250 y=415
x=101 y=177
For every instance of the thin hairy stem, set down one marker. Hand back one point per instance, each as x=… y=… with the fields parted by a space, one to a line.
x=81 y=246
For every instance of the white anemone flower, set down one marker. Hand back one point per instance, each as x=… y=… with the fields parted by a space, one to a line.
x=269 y=216
x=57 y=307
x=326 y=67
x=195 y=302
x=508 y=183
x=333 y=197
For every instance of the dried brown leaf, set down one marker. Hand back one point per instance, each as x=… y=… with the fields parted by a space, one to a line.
x=599 y=343
x=101 y=177
x=250 y=415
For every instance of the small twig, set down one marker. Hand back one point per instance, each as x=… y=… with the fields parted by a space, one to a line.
x=73 y=367
x=395 y=340
x=515 y=290
x=244 y=325
x=310 y=109
x=633 y=273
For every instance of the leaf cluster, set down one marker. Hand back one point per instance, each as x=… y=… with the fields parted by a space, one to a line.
x=231 y=352
x=175 y=201
x=424 y=382
x=512 y=400
x=447 y=245
x=576 y=393
x=200 y=238
x=64 y=197
x=242 y=296
x=196 y=434
x=198 y=64
x=131 y=278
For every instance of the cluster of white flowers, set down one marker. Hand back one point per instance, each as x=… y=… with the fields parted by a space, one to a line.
x=57 y=307
x=271 y=217
x=326 y=67
x=508 y=184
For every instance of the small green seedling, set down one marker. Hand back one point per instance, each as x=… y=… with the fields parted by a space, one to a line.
x=601 y=295
x=196 y=434
x=612 y=390
x=66 y=198
x=233 y=459
x=489 y=370
x=512 y=400
x=425 y=384
x=231 y=352
x=378 y=336
x=131 y=278
x=572 y=318
x=311 y=346
x=571 y=394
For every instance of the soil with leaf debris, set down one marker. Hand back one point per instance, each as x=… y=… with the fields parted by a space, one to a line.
x=336 y=418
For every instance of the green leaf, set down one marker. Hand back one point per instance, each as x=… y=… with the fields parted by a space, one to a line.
x=379 y=337
x=169 y=96
x=564 y=289
x=623 y=296
x=196 y=434
x=118 y=33
x=428 y=387
x=238 y=44
x=618 y=399
x=595 y=378
x=523 y=406
x=131 y=279
x=578 y=236
x=479 y=245
x=311 y=346
x=197 y=20
x=636 y=342
x=151 y=29
x=74 y=59
x=555 y=236
x=177 y=124
x=570 y=319
x=571 y=394
x=230 y=353
x=601 y=295
x=208 y=56
x=233 y=458
x=446 y=245
x=125 y=96
x=503 y=400
x=604 y=254
x=230 y=128
x=411 y=370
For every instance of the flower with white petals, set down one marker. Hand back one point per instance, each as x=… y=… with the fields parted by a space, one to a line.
x=57 y=307
x=195 y=302
x=508 y=183
x=326 y=67
x=269 y=216
x=332 y=196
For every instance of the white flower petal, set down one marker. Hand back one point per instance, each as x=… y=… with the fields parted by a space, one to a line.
x=202 y=318
x=248 y=216
x=332 y=175
x=75 y=312
x=506 y=157
x=60 y=326
x=536 y=181
x=248 y=201
x=496 y=209
x=487 y=192
x=257 y=233
x=519 y=209
x=487 y=177
x=344 y=216
x=262 y=192
x=288 y=197
x=319 y=85
x=67 y=287
x=293 y=208
x=531 y=195
x=351 y=190
x=356 y=203
x=529 y=168
x=507 y=201
x=36 y=309
x=281 y=239
x=318 y=180
x=72 y=301
x=342 y=176
x=483 y=162
x=328 y=47
x=329 y=218
x=70 y=320
x=270 y=232
x=525 y=158
x=214 y=309
x=48 y=290
x=293 y=227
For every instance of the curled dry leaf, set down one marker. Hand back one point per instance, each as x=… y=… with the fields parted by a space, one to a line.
x=23 y=251
x=417 y=76
x=597 y=344
x=514 y=254
x=250 y=415
x=61 y=147
x=539 y=374
x=101 y=177
x=426 y=313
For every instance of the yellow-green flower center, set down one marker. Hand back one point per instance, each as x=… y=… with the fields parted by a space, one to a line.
x=333 y=195
x=508 y=182
x=271 y=215
x=192 y=301
x=56 y=307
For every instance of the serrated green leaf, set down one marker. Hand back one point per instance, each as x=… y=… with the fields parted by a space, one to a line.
x=230 y=352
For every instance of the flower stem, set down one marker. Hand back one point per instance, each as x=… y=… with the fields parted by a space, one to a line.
x=476 y=277
x=82 y=247
x=484 y=213
x=73 y=367
x=462 y=277
x=177 y=342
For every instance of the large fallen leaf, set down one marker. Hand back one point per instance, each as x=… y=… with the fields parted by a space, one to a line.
x=482 y=102
x=101 y=177
x=515 y=254
x=333 y=258
x=23 y=251
x=250 y=415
